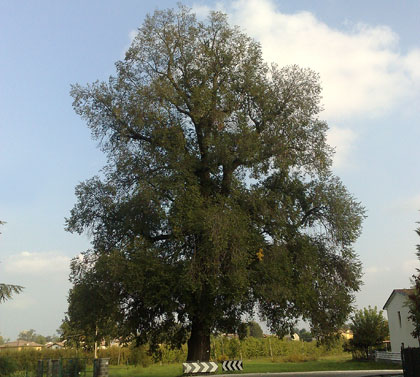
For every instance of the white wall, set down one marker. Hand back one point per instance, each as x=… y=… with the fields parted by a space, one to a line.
x=400 y=334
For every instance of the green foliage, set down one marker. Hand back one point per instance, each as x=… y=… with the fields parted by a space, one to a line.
x=305 y=335
x=233 y=349
x=7 y=366
x=370 y=329
x=243 y=330
x=139 y=356
x=250 y=328
x=89 y=315
x=255 y=329
x=7 y=290
x=414 y=299
x=3 y=340
x=414 y=306
x=281 y=350
x=183 y=242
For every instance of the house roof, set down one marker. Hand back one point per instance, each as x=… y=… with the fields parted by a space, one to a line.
x=50 y=344
x=404 y=292
x=21 y=343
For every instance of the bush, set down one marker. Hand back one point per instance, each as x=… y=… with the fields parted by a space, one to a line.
x=222 y=358
x=7 y=366
x=140 y=356
x=233 y=349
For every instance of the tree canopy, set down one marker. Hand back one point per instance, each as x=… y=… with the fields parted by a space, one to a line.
x=218 y=197
x=32 y=336
x=370 y=329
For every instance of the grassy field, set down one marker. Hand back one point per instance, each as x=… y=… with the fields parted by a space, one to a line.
x=259 y=366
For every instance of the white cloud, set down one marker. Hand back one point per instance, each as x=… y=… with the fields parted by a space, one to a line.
x=39 y=264
x=362 y=71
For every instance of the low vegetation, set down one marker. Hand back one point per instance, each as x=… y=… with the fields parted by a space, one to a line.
x=263 y=365
x=261 y=355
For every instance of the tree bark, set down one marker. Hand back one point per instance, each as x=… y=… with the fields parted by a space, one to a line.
x=199 y=343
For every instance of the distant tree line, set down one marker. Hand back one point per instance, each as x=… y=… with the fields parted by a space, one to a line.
x=32 y=336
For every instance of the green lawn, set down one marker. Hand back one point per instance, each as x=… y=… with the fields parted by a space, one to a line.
x=259 y=366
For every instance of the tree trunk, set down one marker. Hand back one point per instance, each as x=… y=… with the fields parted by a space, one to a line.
x=199 y=343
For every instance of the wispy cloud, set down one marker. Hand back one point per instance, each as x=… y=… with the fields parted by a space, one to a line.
x=36 y=264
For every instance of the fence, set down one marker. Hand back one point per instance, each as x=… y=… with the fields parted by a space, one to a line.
x=411 y=362
x=62 y=368
x=388 y=356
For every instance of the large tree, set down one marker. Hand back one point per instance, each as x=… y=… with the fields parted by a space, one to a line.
x=218 y=197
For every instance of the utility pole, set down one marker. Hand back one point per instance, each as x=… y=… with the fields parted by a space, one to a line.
x=96 y=342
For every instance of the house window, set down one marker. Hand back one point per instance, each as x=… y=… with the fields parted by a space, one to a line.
x=399 y=318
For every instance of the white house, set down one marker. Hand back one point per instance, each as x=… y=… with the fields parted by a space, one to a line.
x=400 y=327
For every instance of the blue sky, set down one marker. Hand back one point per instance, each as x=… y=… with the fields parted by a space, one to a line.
x=368 y=56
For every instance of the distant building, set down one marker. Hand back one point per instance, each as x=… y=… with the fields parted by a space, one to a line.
x=400 y=327
x=294 y=337
x=54 y=345
x=346 y=334
x=19 y=345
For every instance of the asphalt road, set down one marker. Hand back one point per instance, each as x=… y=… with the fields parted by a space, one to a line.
x=349 y=373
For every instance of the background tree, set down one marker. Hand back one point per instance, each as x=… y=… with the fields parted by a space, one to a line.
x=414 y=299
x=3 y=340
x=90 y=317
x=7 y=290
x=28 y=335
x=243 y=330
x=414 y=307
x=370 y=329
x=32 y=336
x=304 y=335
x=255 y=329
x=218 y=197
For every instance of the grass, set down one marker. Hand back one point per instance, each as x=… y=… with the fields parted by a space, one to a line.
x=342 y=362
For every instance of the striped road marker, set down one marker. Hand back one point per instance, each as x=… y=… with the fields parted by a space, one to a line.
x=200 y=367
x=231 y=365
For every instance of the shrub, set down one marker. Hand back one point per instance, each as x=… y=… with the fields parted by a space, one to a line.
x=7 y=366
x=140 y=356
x=221 y=358
x=233 y=348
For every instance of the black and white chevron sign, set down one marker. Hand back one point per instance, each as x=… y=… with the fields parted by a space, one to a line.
x=200 y=367
x=230 y=365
